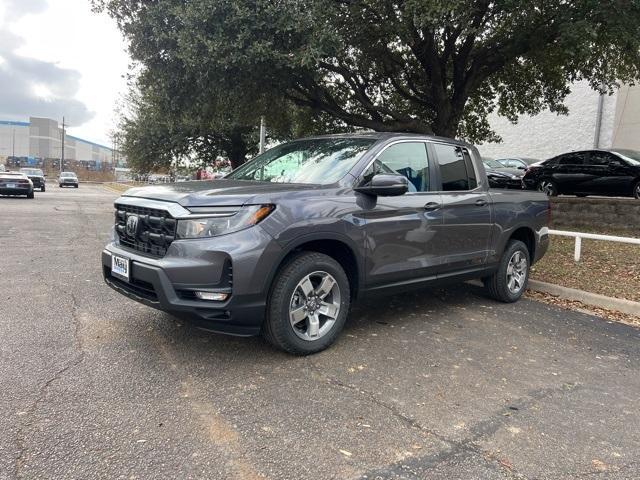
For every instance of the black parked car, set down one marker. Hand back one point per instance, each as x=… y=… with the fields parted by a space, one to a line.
x=36 y=176
x=590 y=172
x=500 y=176
x=521 y=163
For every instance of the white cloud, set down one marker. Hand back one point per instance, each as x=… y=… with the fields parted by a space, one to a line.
x=60 y=58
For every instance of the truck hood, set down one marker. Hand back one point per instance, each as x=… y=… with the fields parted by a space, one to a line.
x=213 y=193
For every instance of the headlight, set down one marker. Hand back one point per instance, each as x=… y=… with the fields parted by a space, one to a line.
x=212 y=226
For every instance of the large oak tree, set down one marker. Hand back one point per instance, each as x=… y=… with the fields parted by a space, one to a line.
x=427 y=66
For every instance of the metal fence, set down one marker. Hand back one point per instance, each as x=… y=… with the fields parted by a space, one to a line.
x=592 y=236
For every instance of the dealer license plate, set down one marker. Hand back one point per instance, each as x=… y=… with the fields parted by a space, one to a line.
x=120 y=267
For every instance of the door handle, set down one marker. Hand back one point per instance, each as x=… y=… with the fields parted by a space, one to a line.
x=481 y=202
x=432 y=206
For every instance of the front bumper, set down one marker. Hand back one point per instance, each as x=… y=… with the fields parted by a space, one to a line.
x=236 y=264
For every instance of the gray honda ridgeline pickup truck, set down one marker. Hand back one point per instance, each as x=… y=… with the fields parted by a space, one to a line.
x=284 y=244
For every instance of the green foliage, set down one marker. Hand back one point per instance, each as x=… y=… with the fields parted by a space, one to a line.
x=429 y=66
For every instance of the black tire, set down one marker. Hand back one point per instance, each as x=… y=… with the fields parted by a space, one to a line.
x=75 y=186
x=496 y=284
x=636 y=190
x=277 y=328
x=549 y=187
x=30 y=194
x=42 y=189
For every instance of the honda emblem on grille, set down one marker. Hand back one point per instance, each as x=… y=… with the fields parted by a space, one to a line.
x=132 y=225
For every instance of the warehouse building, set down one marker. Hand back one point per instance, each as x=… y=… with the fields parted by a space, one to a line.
x=594 y=121
x=41 y=138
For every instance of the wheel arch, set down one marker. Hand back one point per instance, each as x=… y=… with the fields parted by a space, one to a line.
x=526 y=236
x=339 y=247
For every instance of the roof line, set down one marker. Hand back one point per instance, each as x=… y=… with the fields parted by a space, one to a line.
x=27 y=124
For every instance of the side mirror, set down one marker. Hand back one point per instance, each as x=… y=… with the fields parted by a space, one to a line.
x=385 y=185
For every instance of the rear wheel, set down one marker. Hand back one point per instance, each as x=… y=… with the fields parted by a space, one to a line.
x=309 y=304
x=508 y=283
x=548 y=187
x=636 y=190
x=30 y=194
x=42 y=189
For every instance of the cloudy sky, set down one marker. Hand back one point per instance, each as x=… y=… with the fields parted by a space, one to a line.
x=59 y=58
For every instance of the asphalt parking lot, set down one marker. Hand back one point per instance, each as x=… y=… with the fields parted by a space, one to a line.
x=441 y=384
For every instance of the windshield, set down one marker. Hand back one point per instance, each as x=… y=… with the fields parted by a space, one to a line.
x=31 y=171
x=67 y=174
x=318 y=161
x=631 y=156
x=493 y=164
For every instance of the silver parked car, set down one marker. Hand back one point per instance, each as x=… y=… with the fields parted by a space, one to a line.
x=68 y=179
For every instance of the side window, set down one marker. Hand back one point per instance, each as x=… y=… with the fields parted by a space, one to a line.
x=572 y=159
x=600 y=159
x=406 y=158
x=456 y=168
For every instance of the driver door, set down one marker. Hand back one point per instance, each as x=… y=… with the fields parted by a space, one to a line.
x=400 y=231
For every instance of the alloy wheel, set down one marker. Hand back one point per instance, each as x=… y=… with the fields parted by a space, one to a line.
x=517 y=272
x=547 y=188
x=314 y=306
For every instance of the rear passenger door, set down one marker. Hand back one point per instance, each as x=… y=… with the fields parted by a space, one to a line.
x=466 y=210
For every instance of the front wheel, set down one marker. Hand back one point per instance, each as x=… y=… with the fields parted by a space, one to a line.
x=548 y=187
x=308 y=305
x=42 y=189
x=636 y=190
x=507 y=284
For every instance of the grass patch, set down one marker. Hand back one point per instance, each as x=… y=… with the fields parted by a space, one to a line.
x=607 y=268
x=121 y=187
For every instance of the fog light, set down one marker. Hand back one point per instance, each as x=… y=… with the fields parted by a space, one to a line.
x=214 y=296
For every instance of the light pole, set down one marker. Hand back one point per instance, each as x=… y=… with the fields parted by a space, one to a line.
x=62 y=147
x=263 y=133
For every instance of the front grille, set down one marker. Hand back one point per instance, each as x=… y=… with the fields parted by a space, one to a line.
x=155 y=230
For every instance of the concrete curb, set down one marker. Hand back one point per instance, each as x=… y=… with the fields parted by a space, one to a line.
x=593 y=299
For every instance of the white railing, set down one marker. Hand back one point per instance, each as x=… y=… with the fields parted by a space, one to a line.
x=592 y=236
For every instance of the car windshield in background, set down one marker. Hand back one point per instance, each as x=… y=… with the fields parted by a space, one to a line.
x=319 y=161
x=493 y=164
x=631 y=156
x=68 y=174
x=31 y=171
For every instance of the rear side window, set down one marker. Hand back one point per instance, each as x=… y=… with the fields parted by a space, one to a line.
x=456 y=168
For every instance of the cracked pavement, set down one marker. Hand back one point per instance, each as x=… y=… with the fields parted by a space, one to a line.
x=435 y=384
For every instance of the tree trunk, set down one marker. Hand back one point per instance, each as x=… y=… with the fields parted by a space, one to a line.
x=237 y=149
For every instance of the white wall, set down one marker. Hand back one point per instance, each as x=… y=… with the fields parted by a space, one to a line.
x=547 y=134
x=6 y=140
